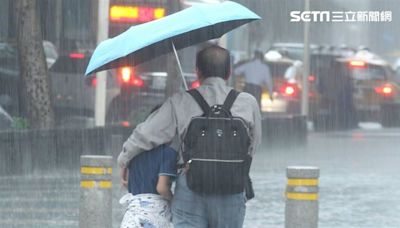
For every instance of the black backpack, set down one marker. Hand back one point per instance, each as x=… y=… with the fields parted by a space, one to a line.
x=216 y=147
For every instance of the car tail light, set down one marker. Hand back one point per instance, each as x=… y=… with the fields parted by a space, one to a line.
x=311 y=78
x=357 y=64
x=76 y=55
x=195 y=84
x=93 y=82
x=386 y=90
x=138 y=82
x=125 y=124
x=289 y=90
x=126 y=76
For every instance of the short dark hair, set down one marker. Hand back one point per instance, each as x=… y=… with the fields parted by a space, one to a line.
x=214 y=61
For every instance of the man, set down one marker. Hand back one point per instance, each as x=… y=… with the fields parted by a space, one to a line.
x=172 y=119
x=257 y=75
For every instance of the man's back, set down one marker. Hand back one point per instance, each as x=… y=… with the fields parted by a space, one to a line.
x=255 y=71
x=257 y=76
x=177 y=112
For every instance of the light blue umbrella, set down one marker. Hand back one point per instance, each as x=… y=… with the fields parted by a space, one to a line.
x=194 y=25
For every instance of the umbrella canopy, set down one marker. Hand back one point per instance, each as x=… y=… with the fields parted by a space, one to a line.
x=194 y=25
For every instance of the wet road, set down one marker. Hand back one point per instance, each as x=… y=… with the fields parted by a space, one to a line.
x=358 y=185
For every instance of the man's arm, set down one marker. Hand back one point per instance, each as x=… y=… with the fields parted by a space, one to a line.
x=159 y=128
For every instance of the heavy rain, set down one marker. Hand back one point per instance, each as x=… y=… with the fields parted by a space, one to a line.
x=332 y=102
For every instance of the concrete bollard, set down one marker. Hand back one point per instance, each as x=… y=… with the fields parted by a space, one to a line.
x=95 y=208
x=301 y=209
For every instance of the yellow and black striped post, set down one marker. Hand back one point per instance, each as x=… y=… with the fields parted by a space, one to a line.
x=95 y=208
x=301 y=209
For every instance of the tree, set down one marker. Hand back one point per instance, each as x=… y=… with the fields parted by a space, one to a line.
x=33 y=68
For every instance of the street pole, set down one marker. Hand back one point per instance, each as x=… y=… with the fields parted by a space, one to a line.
x=306 y=63
x=101 y=77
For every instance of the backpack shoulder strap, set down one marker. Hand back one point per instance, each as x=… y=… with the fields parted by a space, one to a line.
x=200 y=100
x=230 y=99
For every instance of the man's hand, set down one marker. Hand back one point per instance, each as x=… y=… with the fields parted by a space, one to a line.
x=123 y=173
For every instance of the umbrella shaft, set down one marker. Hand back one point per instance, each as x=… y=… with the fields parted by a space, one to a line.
x=179 y=65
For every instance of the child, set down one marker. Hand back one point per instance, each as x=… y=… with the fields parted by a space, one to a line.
x=149 y=186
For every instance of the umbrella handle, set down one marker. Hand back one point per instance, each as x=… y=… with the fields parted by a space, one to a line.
x=179 y=65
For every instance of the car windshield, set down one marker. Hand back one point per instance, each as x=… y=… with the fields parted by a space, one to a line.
x=368 y=73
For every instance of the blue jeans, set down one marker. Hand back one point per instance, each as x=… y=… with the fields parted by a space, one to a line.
x=191 y=210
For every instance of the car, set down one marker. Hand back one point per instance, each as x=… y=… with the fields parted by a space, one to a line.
x=376 y=93
x=325 y=87
x=287 y=87
x=10 y=82
x=353 y=87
